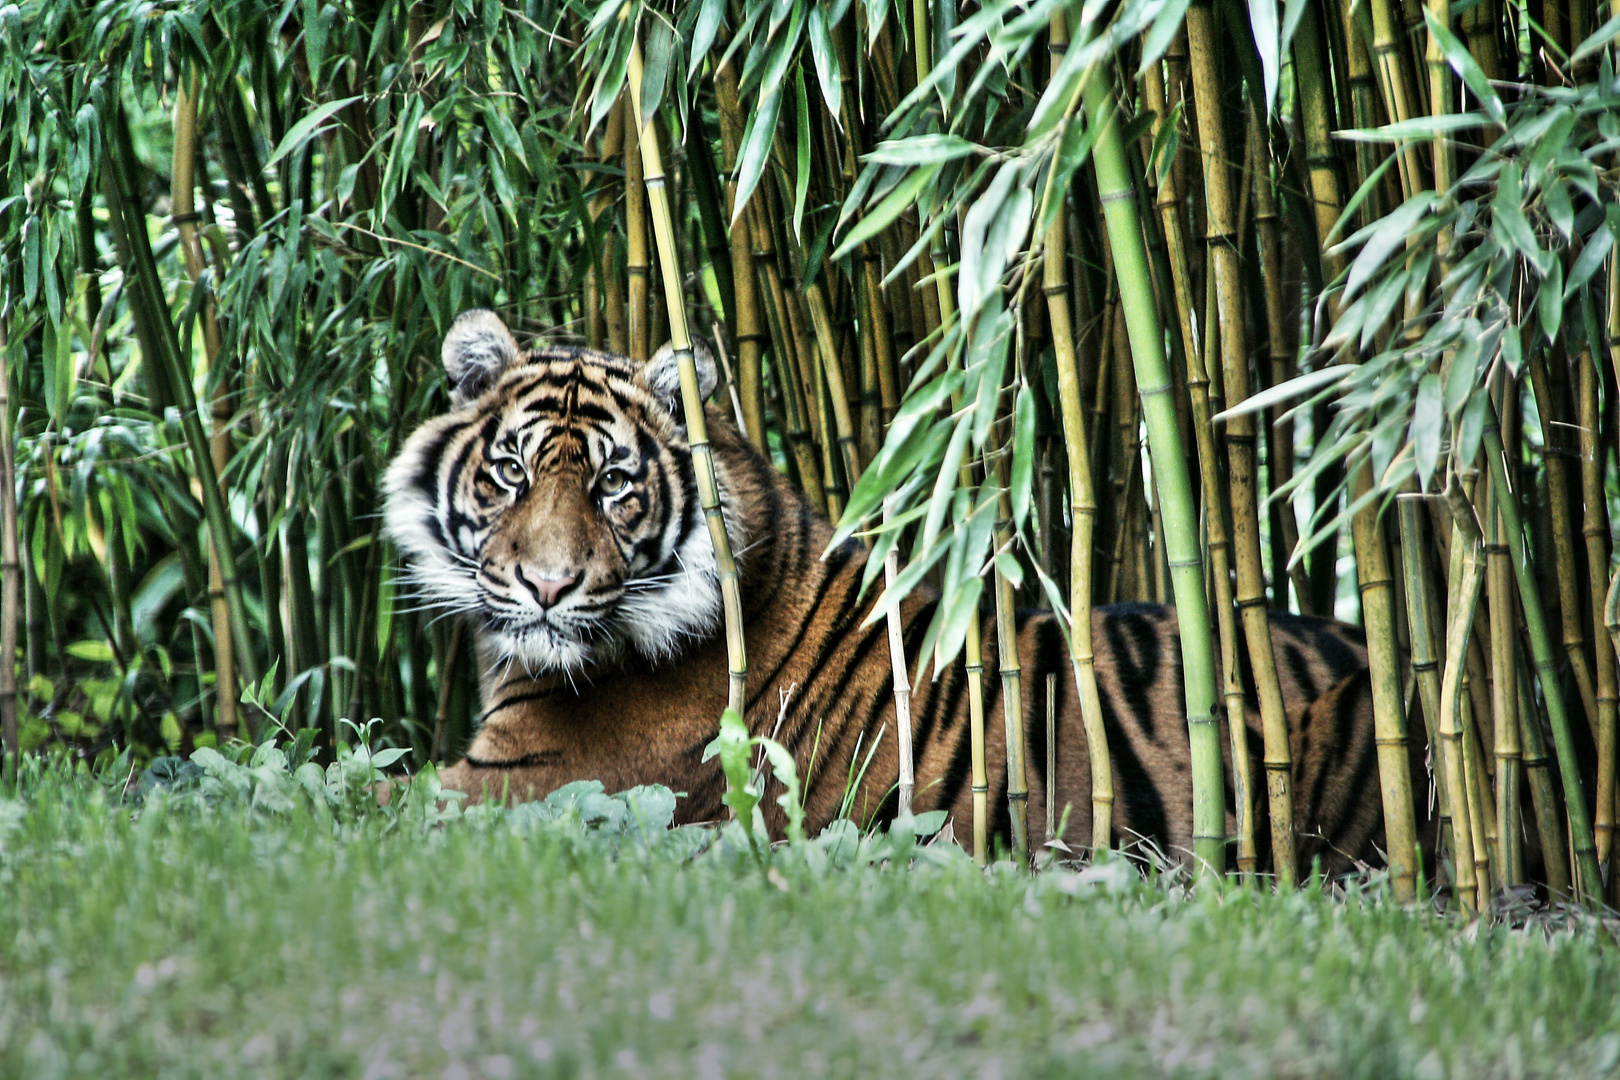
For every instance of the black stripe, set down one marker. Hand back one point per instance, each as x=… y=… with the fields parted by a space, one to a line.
x=1129 y=633
x=836 y=562
x=426 y=476
x=1300 y=668
x=1135 y=792
x=957 y=771
x=1046 y=660
x=545 y=757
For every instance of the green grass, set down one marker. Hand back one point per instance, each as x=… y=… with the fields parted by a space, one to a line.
x=315 y=936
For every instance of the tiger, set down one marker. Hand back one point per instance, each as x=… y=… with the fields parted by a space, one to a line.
x=555 y=506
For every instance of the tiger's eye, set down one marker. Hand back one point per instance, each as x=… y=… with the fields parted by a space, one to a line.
x=510 y=472
x=613 y=482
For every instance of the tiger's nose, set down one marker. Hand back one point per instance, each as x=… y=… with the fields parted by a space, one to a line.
x=547 y=589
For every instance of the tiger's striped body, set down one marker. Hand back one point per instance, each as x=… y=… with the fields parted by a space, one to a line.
x=602 y=698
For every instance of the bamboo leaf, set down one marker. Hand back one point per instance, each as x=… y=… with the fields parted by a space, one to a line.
x=1263 y=25
x=922 y=150
x=1509 y=219
x=703 y=34
x=1550 y=300
x=1605 y=35
x=1472 y=427
x=1417 y=128
x=1463 y=373
x=1464 y=64
x=1283 y=391
x=878 y=218
x=828 y=72
x=1427 y=418
x=756 y=149
x=801 y=177
x=1389 y=236
x=660 y=44
x=1021 y=485
x=302 y=130
x=1158 y=39
x=1587 y=262
x=1009 y=567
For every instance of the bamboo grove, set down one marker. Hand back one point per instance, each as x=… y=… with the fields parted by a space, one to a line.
x=1307 y=307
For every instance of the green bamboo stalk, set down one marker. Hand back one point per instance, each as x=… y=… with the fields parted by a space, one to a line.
x=1217 y=541
x=1169 y=471
x=1549 y=402
x=1082 y=511
x=1588 y=881
x=697 y=429
x=160 y=350
x=1544 y=801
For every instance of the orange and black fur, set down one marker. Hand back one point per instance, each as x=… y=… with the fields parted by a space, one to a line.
x=555 y=507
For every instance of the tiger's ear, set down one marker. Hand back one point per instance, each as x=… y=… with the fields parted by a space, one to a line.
x=663 y=377
x=477 y=350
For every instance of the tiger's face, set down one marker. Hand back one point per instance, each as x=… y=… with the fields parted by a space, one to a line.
x=555 y=504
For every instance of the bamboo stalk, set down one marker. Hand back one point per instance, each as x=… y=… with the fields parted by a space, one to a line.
x=1395 y=82
x=902 y=678
x=1012 y=710
x=604 y=304
x=1082 y=510
x=11 y=607
x=752 y=333
x=691 y=400
x=1426 y=664
x=1555 y=459
x=1505 y=701
x=185 y=218
x=1240 y=443
x=638 y=261
x=1467 y=578
x=1169 y=472
x=1279 y=432
x=1588 y=882
x=1595 y=528
x=1217 y=540
x=161 y=350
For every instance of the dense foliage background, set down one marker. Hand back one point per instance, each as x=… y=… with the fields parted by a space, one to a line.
x=982 y=276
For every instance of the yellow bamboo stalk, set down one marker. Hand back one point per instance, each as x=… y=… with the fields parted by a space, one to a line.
x=697 y=429
x=1280 y=436
x=1467 y=580
x=1504 y=697
x=1240 y=442
x=638 y=261
x=1395 y=82
x=1595 y=528
x=1425 y=617
x=826 y=344
x=1082 y=509
x=1012 y=700
x=183 y=199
